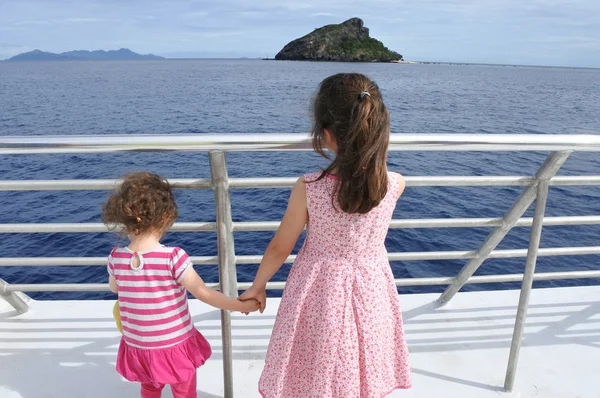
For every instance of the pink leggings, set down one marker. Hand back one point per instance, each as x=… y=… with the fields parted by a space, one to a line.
x=186 y=389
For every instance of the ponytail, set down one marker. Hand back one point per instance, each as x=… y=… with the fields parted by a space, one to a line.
x=351 y=108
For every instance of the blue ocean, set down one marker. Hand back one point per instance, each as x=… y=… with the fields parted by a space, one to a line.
x=253 y=96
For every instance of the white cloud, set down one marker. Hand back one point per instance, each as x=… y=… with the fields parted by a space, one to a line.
x=452 y=30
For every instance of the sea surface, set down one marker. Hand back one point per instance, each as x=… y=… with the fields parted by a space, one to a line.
x=252 y=96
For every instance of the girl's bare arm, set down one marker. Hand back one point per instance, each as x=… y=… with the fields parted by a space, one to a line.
x=282 y=244
x=195 y=285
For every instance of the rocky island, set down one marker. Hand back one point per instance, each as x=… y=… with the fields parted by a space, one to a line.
x=345 y=42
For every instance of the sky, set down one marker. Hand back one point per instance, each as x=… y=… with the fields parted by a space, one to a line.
x=530 y=32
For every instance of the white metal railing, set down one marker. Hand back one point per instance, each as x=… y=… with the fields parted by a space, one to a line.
x=273 y=225
x=536 y=186
x=289 y=142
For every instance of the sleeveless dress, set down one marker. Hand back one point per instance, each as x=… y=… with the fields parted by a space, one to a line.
x=160 y=344
x=338 y=331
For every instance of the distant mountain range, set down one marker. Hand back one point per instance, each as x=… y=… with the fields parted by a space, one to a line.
x=83 y=55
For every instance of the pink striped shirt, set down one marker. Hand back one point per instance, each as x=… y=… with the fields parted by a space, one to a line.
x=153 y=303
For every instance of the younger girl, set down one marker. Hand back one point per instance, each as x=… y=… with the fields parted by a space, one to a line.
x=338 y=332
x=160 y=344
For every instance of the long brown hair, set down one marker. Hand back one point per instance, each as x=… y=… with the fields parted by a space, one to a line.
x=351 y=108
x=143 y=203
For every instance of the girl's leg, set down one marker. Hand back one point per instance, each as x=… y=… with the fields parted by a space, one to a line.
x=186 y=389
x=149 y=391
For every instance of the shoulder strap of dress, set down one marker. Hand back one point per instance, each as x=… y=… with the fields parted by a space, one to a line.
x=313 y=186
x=311 y=177
x=394 y=180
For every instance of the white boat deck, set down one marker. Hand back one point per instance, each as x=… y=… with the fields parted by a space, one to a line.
x=68 y=349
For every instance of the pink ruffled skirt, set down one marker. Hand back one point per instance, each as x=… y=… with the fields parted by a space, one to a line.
x=160 y=366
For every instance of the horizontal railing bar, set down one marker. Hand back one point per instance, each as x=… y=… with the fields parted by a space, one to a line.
x=436 y=223
x=263 y=182
x=510 y=253
x=273 y=225
x=79 y=261
x=490 y=222
x=288 y=182
x=545 y=276
x=471 y=181
x=58 y=287
x=575 y=180
x=431 y=181
x=288 y=142
x=29 y=228
x=68 y=287
x=457 y=255
x=90 y=185
x=408 y=256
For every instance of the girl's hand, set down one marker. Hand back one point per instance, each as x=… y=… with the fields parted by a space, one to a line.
x=255 y=293
x=249 y=306
x=195 y=285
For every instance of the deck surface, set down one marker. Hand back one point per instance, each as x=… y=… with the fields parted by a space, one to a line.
x=68 y=349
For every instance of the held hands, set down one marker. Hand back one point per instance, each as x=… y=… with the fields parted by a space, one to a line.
x=249 y=306
x=255 y=294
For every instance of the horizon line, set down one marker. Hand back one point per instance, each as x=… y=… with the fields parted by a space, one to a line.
x=258 y=58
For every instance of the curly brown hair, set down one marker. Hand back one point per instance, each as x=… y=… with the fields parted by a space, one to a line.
x=143 y=203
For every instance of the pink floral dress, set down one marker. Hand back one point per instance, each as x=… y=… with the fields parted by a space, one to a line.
x=339 y=332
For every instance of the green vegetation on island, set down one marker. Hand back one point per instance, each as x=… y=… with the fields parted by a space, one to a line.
x=345 y=42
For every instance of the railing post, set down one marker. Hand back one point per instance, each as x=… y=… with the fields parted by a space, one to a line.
x=534 y=245
x=227 y=269
x=13 y=298
x=553 y=162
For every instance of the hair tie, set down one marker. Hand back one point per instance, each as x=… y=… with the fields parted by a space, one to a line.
x=139 y=220
x=363 y=94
